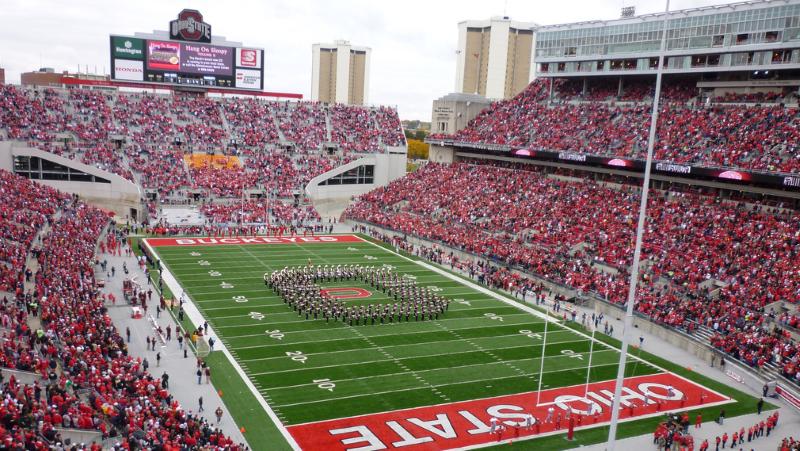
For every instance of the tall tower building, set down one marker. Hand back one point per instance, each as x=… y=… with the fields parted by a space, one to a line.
x=494 y=57
x=340 y=73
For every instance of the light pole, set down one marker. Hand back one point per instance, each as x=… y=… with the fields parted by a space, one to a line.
x=626 y=330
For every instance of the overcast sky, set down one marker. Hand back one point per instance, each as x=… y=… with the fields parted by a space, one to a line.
x=413 y=41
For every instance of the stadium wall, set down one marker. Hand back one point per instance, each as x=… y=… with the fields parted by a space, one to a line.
x=120 y=196
x=388 y=167
x=441 y=154
x=449 y=154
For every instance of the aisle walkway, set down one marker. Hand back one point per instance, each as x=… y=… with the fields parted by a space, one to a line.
x=182 y=378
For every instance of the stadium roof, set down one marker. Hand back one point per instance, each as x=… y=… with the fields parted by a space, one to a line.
x=714 y=9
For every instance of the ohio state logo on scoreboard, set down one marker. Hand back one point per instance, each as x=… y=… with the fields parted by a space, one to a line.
x=190 y=27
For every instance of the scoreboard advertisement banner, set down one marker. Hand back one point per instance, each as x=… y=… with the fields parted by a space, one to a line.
x=250 y=58
x=128 y=70
x=162 y=55
x=248 y=78
x=782 y=181
x=130 y=48
x=187 y=57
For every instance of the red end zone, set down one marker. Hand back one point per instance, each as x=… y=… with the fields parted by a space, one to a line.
x=221 y=241
x=465 y=424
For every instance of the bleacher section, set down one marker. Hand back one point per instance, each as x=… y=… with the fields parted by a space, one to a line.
x=717 y=133
x=83 y=377
x=709 y=263
x=144 y=137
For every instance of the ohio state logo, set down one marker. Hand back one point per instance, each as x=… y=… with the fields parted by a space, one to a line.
x=190 y=27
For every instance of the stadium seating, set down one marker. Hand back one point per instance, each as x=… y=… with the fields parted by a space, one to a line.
x=553 y=228
x=747 y=136
x=99 y=386
x=157 y=130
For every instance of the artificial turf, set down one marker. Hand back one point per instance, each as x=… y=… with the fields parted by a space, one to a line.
x=314 y=370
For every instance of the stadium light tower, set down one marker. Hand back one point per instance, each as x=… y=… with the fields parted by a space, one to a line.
x=626 y=330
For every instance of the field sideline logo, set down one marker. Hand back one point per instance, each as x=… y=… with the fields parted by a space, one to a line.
x=468 y=423
x=190 y=27
x=218 y=241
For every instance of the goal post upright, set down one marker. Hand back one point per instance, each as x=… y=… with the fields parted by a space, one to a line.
x=541 y=363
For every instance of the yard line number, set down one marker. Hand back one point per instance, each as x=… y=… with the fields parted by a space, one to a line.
x=297 y=356
x=325 y=384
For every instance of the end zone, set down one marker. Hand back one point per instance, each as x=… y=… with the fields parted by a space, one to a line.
x=467 y=423
x=221 y=241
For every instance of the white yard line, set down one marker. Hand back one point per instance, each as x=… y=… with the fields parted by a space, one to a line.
x=392 y=346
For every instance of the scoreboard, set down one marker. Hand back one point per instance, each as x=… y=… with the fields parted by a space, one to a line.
x=186 y=58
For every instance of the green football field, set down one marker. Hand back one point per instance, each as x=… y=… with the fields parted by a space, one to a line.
x=311 y=370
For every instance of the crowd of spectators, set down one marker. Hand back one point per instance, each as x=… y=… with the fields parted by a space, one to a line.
x=755 y=97
x=303 y=124
x=261 y=211
x=523 y=218
x=88 y=380
x=757 y=137
x=25 y=208
x=143 y=137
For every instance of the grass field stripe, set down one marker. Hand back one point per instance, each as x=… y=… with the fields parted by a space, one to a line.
x=400 y=334
x=506 y=300
x=399 y=360
x=415 y=373
x=304 y=330
x=388 y=332
x=410 y=322
x=414 y=388
x=405 y=344
x=480 y=348
x=194 y=314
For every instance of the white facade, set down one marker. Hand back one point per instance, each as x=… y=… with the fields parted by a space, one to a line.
x=342 y=76
x=118 y=194
x=498 y=58
x=388 y=167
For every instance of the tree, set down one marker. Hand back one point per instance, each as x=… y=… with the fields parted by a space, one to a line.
x=417 y=149
x=420 y=135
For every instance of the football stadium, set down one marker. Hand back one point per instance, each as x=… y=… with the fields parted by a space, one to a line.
x=590 y=241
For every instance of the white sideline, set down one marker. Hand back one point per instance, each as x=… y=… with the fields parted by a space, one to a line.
x=197 y=318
